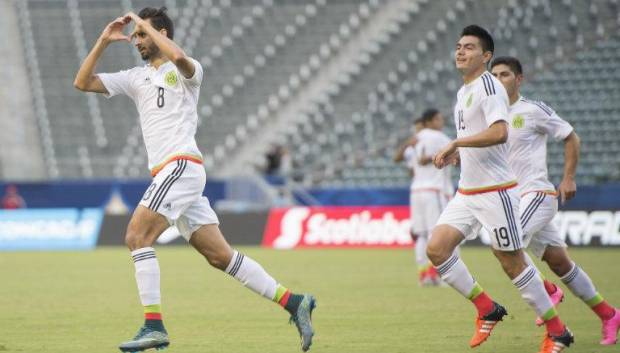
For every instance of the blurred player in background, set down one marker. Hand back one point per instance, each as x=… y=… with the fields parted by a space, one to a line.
x=431 y=188
x=486 y=197
x=166 y=92
x=11 y=199
x=532 y=123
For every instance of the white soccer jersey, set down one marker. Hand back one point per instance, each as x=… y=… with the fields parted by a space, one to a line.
x=166 y=102
x=411 y=159
x=427 y=177
x=530 y=124
x=481 y=103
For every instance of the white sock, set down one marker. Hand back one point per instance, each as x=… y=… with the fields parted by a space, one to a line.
x=420 y=251
x=252 y=275
x=147 y=275
x=528 y=260
x=579 y=283
x=533 y=291
x=454 y=272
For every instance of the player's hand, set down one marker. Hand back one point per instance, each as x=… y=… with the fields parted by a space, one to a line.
x=445 y=156
x=139 y=22
x=131 y=16
x=454 y=159
x=567 y=190
x=113 y=32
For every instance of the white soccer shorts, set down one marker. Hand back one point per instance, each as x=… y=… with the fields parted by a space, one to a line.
x=425 y=206
x=176 y=193
x=496 y=211
x=537 y=212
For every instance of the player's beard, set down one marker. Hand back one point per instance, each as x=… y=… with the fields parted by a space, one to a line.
x=150 y=52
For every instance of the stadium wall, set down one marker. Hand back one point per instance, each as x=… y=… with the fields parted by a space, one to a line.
x=89 y=193
x=76 y=215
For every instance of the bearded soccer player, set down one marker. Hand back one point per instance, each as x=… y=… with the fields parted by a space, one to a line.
x=486 y=197
x=166 y=92
x=532 y=123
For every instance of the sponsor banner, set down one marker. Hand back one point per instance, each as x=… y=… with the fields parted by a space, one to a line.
x=288 y=228
x=50 y=229
x=589 y=228
x=583 y=228
x=238 y=228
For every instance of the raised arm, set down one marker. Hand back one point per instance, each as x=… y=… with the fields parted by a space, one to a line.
x=568 y=187
x=167 y=47
x=86 y=80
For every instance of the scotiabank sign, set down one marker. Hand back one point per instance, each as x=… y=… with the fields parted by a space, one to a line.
x=288 y=228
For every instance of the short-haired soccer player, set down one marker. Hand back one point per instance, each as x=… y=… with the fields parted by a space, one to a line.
x=166 y=92
x=430 y=190
x=531 y=124
x=486 y=196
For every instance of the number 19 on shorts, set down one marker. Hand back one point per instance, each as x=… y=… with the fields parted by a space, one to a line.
x=501 y=236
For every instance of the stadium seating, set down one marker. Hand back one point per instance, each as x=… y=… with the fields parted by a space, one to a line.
x=259 y=55
x=401 y=94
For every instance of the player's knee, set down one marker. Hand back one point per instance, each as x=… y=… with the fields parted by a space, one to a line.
x=512 y=262
x=218 y=261
x=131 y=240
x=136 y=240
x=436 y=253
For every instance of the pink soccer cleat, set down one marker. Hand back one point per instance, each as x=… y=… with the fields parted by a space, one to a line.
x=556 y=299
x=610 y=329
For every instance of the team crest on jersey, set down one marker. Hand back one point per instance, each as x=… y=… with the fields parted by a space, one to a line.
x=518 y=121
x=469 y=100
x=171 y=78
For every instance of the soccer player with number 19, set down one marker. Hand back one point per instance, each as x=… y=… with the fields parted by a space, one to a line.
x=486 y=197
x=166 y=93
x=531 y=123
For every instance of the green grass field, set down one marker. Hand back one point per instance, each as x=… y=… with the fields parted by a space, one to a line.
x=368 y=301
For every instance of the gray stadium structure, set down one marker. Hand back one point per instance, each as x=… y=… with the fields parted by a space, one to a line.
x=338 y=82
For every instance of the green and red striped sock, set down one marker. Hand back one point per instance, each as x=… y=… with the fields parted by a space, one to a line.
x=153 y=317
x=287 y=299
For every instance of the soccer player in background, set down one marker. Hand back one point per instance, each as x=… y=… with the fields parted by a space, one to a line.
x=166 y=92
x=486 y=197
x=531 y=123
x=430 y=189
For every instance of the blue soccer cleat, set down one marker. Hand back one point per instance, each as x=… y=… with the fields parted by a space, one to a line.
x=303 y=321
x=146 y=338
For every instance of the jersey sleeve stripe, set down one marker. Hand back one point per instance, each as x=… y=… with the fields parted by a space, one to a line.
x=540 y=105
x=486 y=87
x=491 y=84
